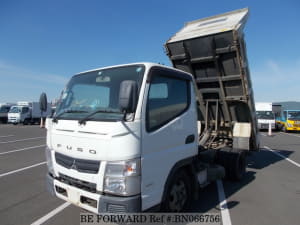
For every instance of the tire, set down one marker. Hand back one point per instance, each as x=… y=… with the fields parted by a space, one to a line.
x=254 y=144
x=284 y=129
x=239 y=169
x=178 y=194
x=235 y=164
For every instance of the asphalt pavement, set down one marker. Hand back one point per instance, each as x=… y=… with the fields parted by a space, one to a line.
x=269 y=194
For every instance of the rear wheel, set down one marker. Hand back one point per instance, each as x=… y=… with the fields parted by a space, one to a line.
x=178 y=194
x=235 y=164
x=239 y=168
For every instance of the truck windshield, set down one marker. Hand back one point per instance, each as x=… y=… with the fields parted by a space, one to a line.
x=294 y=115
x=96 y=91
x=15 y=110
x=266 y=115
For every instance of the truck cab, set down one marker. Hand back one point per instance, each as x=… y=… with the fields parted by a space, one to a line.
x=112 y=128
x=265 y=115
x=18 y=114
x=264 y=119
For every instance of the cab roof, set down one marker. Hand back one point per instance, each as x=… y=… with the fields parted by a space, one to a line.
x=146 y=64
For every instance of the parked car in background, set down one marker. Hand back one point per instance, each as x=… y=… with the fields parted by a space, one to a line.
x=265 y=115
x=27 y=113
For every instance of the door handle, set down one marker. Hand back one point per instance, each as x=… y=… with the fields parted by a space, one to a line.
x=190 y=139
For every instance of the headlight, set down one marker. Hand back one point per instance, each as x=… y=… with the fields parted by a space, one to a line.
x=289 y=125
x=123 y=177
x=49 y=160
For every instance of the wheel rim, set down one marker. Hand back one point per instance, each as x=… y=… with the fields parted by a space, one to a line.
x=178 y=196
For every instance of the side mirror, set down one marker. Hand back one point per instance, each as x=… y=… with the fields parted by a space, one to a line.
x=43 y=102
x=128 y=96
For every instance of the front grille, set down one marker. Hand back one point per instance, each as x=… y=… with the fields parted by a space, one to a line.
x=81 y=165
x=91 y=187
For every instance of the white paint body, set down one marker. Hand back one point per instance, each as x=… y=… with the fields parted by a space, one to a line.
x=265 y=123
x=263 y=106
x=159 y=150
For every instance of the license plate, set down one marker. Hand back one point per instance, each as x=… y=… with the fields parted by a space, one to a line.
x=73 y=196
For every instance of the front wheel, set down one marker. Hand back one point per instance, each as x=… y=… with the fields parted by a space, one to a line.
x=25 y=122
x=178 y=194
x=284 y=129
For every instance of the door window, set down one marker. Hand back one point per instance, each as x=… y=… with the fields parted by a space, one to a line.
x=168 y=98
x=25 y=110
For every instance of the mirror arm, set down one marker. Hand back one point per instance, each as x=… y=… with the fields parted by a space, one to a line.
x=124 y=115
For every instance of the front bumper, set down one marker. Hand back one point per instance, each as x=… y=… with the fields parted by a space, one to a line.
x=94 y=202
x=13 y=120
x=293 y=128
x=265 y=126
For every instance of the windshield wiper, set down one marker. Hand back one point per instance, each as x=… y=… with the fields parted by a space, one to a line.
x=67 y=111
x=84 y=119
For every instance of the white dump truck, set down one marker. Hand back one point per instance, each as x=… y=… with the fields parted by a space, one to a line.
x=147 y=137
x=27 y=113
x=265 y=115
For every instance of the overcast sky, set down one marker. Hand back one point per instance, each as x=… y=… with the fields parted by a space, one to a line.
x=43 y=43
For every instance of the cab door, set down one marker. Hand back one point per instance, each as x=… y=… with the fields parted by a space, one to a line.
x=169 y=131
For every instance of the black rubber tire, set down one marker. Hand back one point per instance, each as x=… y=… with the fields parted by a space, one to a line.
x=277 y=127
x=284 y=129
x=240 y=164
x=235 y=164
x=178 y=194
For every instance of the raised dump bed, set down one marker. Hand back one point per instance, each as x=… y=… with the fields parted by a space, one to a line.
x=213 y=50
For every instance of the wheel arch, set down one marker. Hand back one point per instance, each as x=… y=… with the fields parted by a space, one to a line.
x=187 y=165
